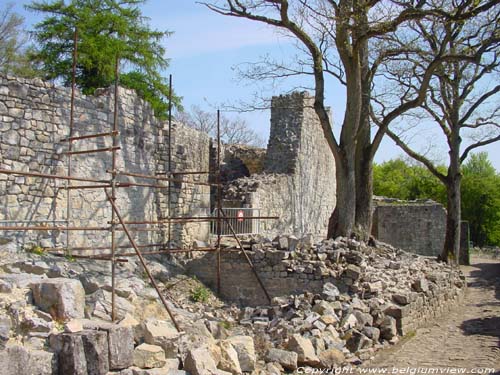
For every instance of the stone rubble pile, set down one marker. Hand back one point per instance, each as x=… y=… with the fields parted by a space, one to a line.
x=54 y=314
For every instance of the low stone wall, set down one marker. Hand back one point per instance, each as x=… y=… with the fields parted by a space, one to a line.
x=406 y=287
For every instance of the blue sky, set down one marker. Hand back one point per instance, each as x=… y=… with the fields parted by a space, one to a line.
x=204 y=49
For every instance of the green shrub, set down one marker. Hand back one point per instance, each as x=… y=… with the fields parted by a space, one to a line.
x=200 y=294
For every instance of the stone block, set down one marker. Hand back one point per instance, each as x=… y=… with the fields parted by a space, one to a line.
x=388 y=328
x=331 y=358
x=71 y=353
x=245 y=348
x=5 y=326
x=149 y=356
x=63 y=299
x=200 y=362
x=228 y=358
x=306 y=354
x=287 y=359
x=95 y=345
x=18 y=360
x=161 y=333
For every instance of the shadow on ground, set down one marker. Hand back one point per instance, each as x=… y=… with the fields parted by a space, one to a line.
x=485 y=275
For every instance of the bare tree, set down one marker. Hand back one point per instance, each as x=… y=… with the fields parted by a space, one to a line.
x=340 y=39
x=463 y=98
x=13 y=51
x=233 y=131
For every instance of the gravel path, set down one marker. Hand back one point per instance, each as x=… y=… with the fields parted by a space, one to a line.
x=467 y=337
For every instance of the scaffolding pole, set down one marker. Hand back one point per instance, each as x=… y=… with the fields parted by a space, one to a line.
x=143 y=262
x=70 y=143
x=115 y=147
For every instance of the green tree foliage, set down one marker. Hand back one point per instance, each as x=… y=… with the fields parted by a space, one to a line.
x=13 y=50
x=481 y=200
x=480 y=191
x=398 y=178
x=107 y=29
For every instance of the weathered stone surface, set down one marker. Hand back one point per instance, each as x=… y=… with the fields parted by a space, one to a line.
x=352 y=271
x=121 y=347
x=228 y=358
x=304 y=349
x=245 y=348
x=330 y=292
x=99 y=304
x=73 y=326
x=5 y=287
x=161 y=333
x=388 y=328
x=331 y=358
x=200 y=362
x=64 y=299
x=95 y=345
x=287 y=359
x=71 y=353
x=357 y=341
x=421 y=285
x=170 y=368
x=18 y=360
x=5 y=326
x=402 y=299
x=149 y=356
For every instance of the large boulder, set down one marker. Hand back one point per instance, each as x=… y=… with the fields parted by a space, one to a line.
x=331 y=358
x=83 y=353
x=120 y=342
x=285 y=358
x=161 y=333
x=17 y=359
x=199 y=361
x=228 y=358
x=245 y=348
x=149 y=356
x=63 y=299
x=304 y=349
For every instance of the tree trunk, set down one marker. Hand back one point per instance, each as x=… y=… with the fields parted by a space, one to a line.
x=364 y=157
x=451 y=250
x=343 y=217
x=451 y=247
x=364 y=194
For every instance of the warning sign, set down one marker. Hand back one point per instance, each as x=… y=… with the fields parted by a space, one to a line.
x=240 y=215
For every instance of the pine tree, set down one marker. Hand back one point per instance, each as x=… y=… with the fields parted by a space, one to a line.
x=107 y=29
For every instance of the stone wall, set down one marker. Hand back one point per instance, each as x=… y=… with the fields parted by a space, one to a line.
x=415 y=226
x=407 y=287
x=298 y=181
x=35 y=118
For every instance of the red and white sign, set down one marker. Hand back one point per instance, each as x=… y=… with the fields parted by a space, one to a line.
x=240 y=215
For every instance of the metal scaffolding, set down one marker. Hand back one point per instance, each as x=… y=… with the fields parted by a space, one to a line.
x=120 y=179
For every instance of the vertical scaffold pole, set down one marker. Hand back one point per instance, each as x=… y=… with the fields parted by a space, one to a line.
x=70 y=143
x=169 y=192
x=113 y=189
x=219 y=203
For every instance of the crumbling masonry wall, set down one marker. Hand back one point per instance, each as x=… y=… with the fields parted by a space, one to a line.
x=298 y=180
x=415 y=226
x=409 y=288
x=35 y=117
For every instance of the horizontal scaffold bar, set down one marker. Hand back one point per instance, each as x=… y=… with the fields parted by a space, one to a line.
x=52 y=176
x=98 y=135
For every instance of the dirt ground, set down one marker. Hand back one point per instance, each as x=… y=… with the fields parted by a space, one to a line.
x=467 y=337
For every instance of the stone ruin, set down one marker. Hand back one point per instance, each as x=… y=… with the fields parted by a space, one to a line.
x=333 y=302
